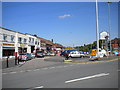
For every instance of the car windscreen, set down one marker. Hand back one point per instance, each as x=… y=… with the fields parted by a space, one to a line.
x=40 y=52
x=22 y=54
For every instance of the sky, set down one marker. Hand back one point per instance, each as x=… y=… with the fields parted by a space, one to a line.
x=67 y=23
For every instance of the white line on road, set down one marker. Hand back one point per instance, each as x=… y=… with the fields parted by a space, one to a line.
x=89 y=77
x=36 y=69
x=13 y=72
x=44 y=68
x=35 y=88
x=39 y=87
x=51 y=67
x=4 y=73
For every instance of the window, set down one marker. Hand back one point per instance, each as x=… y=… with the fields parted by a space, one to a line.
x=32 y=40
x=36 y=42
x=12 y=38
x=25 y=40
x=5 y=37
x=29 y=39
x=19 y=39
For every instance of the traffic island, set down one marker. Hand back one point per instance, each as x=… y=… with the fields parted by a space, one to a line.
x=67 y=60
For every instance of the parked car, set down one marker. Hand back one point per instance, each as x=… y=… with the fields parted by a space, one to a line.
x=32 y=55
x=50 y=54
x=24 y=56
x=67 y=52
x=75 y=54
x=40 y=54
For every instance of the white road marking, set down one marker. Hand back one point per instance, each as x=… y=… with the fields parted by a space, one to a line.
x=4 y=73
x=36 y=69
x=89 y=77
x=22 y=71
x=13 y=72
x=39 y=87
x=44 y=68
x=59 y=66
x=28 y=70
x=51 y=67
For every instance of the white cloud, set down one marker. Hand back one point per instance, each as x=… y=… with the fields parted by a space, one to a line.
x=64 y=16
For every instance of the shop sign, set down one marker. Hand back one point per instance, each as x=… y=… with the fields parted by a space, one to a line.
x=22 y=45
x=8 y=44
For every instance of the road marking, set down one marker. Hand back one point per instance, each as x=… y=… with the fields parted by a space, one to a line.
x=59 y=66
x=39 y=87
x=36 y=69
x=51 y=67
x=22 y=71
x=4 y=73
x=44 y=68
x=89 y=77
x=13 y=72
x=35 y=88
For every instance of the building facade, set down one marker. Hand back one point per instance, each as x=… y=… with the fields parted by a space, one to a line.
x=12 y=43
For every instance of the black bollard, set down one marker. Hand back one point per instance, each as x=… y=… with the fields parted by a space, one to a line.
x=7 y=61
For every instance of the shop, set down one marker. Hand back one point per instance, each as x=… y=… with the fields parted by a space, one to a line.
x=8 y=50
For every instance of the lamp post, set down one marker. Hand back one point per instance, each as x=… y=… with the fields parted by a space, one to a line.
x=109 y=26
x=97 y=28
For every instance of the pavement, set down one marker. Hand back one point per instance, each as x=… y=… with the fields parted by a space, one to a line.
x=31 y=64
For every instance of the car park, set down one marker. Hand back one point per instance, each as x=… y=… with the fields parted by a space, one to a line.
x=24 y=56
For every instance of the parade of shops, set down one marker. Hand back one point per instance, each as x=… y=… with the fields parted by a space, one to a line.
x=12 y=43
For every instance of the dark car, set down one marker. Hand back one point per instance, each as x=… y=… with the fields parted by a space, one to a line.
x=67 y=52
x=40 y=54
x=24 y=56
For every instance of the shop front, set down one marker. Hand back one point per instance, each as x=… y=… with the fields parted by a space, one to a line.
x=8 y=50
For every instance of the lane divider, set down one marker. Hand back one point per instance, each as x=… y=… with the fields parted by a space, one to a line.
x=88 y=77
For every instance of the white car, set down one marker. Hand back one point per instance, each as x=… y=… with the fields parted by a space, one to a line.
x=32 y=55
x=75 y=54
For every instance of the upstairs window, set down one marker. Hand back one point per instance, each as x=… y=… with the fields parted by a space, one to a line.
x=12 y=38
x=25 y=40
x=29 y=39
x=4 y=37
x=19 y=39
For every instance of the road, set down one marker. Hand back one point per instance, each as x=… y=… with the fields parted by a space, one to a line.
x=91 y=75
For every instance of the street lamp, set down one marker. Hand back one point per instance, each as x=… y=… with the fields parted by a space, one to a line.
x=97 y=28
x=109 y=25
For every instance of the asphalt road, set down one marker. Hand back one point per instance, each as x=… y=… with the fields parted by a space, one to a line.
x=91 y=75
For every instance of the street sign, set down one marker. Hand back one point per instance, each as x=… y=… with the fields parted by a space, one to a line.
x=103 y=35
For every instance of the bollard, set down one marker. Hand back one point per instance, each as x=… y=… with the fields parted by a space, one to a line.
x=7 y=61
x=15 y=60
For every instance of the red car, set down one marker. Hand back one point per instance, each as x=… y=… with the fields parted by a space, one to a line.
x=40 y=54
